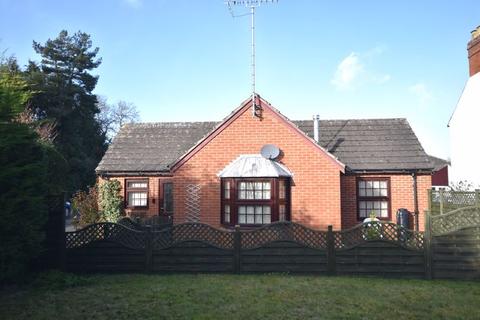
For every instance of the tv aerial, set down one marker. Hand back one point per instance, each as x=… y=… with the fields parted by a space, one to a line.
x=252 y=4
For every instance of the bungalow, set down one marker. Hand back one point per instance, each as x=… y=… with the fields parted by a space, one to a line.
x=257 y=166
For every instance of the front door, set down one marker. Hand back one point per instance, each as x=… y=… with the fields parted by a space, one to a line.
x=166 y=201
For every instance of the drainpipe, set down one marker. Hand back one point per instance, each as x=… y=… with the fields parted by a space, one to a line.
x=415 y=199
x=316 y=134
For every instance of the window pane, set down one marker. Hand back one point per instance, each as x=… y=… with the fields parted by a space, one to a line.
x=282 y=213
x=369 y=192
x=241 y=210
x=242 y=218
x=258 y=219
x=258 y=186
x=281 y=189
x=227 y=214
x=250 y=210
x=266 y=219
x=361 y=192
x=266 y=185
x=258 y=194
x=383 y=184
x=266 y=194
x=241 y=195
x=250 y=195
x=361 y=184
x=137 y=184
x=384 y=192
x=250 y=219
x=137 y=199
x=226 y=190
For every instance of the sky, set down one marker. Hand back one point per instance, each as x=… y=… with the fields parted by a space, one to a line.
x=189 y=60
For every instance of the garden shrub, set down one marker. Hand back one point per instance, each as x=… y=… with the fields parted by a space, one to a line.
x=85 y=206
x=110 y=200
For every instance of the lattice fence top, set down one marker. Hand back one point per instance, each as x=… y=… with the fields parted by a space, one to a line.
x=443 y=201
x=193 y=232
x=118 y=233
x=284 y=231
x=251 y=239
x=379 y=231
x=455 y=220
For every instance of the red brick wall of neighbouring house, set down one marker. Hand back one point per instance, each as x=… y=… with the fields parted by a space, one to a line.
x=474 y=54
x=315 y=191
x=154 y=195
x=440 y=177
x=401 y=188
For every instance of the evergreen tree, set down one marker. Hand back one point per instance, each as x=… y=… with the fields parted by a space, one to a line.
x=63 y=89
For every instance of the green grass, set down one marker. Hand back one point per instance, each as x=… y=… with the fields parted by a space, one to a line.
x=239 y=297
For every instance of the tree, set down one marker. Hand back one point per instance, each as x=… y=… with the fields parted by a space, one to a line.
x=63 y=89
x=25 y=180
x=113 y=116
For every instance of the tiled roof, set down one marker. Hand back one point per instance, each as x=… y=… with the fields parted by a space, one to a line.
x=370 y=145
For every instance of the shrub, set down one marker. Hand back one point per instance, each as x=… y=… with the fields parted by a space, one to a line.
x=85 y=206
x=110 y=201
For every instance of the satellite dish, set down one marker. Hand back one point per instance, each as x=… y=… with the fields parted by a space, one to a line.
x=270 y=151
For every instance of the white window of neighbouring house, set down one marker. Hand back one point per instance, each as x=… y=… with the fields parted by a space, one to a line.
x=136 y=193
x=373 y=196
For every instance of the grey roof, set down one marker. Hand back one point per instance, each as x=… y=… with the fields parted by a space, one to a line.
x=147 y=147
x=371 y=144
x=438 y=163
x=362 y=145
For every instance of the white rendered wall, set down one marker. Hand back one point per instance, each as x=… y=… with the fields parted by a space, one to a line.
x=465 y=134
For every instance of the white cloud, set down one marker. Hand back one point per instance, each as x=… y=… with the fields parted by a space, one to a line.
x=355 y=70
x=133 y=3
x=348 y=71
x=422 y=93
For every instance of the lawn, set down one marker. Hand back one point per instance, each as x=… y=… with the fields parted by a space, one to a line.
x=238 y=297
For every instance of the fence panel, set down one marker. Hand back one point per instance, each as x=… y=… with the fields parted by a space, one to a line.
x=456 y=244
x=284 y=247
x=193 y=247
x=105 y=247
x=380 y=248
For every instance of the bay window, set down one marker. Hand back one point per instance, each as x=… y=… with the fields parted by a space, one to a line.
x=255 y=201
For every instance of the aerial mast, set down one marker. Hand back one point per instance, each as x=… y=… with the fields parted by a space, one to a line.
x=252 y=4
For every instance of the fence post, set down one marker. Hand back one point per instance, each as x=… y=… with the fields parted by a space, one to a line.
x=148 y=248
x=441 y=201
x=430 y=192
x=237 y=247
x=477 y=197
x=427 y=236
x=331 y=266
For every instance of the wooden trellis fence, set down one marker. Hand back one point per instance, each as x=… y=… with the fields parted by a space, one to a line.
x=373 y=249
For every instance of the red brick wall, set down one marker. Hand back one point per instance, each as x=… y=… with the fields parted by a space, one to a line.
x=315 y=190
x=153 y=195
x=401 y=188
x=474 y=56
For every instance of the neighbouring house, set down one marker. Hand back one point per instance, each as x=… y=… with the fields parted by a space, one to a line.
x=463 y=125
x=440 y=172
x=258 y=167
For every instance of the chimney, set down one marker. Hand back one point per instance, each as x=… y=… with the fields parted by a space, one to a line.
x=473 y=49
x=316 y=129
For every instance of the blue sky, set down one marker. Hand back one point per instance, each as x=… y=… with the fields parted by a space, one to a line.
x=187 y=60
